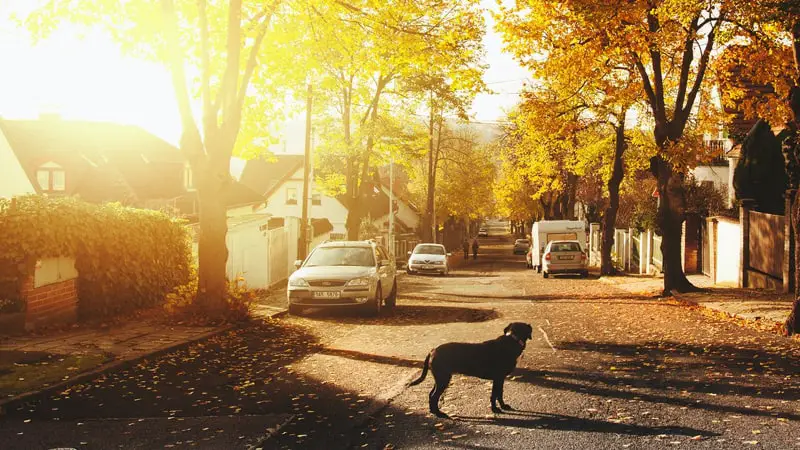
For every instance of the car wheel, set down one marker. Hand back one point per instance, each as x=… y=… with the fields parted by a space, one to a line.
x=374 y=306
x=585 y=274
x=391 y=300
x=538 y=269
x=295 y=310
x=545 y=274
x=409 y=271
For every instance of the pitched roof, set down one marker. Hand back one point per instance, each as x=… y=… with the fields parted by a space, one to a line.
x=102 y=159
x=265 y=176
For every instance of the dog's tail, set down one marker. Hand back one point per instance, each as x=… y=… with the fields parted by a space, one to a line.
x=424 y=371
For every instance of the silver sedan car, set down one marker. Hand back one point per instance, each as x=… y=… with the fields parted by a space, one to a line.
x=428 y=258
x=355 y=274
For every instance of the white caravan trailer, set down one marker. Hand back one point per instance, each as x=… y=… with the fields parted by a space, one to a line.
x=545 y=231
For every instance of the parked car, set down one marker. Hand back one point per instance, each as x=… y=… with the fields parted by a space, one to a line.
x=355 y=274
x=521 y=246
x=564 y=257
x=483 y=232
x=428 y=258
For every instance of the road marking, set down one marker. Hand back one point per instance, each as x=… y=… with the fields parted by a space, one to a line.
x=548 y=340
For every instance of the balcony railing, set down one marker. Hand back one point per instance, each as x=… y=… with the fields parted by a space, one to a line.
x=717 y=148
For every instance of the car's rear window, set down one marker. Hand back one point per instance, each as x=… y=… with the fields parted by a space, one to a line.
x=429 y=250
x=341 y=256
x=565 y=247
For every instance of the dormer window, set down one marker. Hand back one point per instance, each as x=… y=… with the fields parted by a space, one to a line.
x=188 y=178
x=51 y=177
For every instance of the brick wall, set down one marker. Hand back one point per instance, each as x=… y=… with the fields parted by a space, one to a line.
x=51 y=304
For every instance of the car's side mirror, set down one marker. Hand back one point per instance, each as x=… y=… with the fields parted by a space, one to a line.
x=298 y=263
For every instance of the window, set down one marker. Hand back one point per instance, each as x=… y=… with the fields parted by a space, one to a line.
x=291 y=196
x=51 y=177
x=188 y=178
x=316 y=198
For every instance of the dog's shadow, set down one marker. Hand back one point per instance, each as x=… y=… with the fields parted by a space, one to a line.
x=547 y=421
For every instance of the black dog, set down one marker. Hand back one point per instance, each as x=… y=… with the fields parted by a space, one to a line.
x=490 y=360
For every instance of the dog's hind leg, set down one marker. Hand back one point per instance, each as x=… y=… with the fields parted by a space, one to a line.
x=441 y=383
x=497 y=396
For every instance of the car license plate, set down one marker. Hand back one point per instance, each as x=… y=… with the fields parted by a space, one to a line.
x=427 y=266
x=566 y=257
x=327 y=294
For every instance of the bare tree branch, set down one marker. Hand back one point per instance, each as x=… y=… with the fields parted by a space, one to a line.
x=253 y=57
x=701 y=71
x=686 y=65
x=191 y=134
x=648 y=88
x=209 y=115
x=227 y=95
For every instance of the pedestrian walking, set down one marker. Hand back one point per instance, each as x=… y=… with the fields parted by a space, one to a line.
x=475 y=248
x=465 y=246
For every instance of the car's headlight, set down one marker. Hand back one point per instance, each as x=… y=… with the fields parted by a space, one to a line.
x=359 y=282
x=298 y=282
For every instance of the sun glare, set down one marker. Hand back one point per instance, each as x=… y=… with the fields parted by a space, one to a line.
x=84 y=78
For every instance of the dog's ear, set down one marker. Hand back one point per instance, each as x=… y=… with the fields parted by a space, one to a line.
x=508 y=328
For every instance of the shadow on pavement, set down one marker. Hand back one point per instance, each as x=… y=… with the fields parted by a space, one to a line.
x=636 y=375
x=524 y=419
x=404 y=315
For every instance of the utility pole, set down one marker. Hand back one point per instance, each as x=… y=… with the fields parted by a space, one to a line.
x=391 y=206
x=302 y=248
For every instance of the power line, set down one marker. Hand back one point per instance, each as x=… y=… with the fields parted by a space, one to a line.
x=506 y=81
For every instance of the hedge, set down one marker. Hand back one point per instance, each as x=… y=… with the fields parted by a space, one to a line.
x=126 y=258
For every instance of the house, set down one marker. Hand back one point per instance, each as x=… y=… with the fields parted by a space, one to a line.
x=719 y=171
x=280 y=180
x=103 y=162
x=406 y=219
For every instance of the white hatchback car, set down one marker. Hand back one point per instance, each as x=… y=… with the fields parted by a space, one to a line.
x=428 y=258
x=564 y=257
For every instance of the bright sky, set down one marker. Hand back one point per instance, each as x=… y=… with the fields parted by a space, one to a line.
x=89 y=79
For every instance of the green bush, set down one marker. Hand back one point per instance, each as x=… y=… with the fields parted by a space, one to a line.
x=239 y=303
x=126 y=258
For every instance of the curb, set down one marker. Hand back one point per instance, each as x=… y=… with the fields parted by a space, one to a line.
x=10 y=402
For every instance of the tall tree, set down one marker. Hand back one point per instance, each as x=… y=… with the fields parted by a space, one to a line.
x=367 y=52
x=660 y=39
x=220 y=54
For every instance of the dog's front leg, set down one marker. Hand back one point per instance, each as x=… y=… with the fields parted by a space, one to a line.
x=497 y=395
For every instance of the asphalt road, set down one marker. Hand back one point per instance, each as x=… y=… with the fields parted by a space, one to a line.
x=604 y=370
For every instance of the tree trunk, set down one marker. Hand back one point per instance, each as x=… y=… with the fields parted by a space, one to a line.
x=670 y=217
x=212 y=251
x=610 y=216
x=792 y=325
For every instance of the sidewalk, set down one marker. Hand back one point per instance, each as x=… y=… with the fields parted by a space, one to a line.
x=766 y=308
x=33 y=363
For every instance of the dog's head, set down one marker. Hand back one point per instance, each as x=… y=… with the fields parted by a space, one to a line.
x=520 y=331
